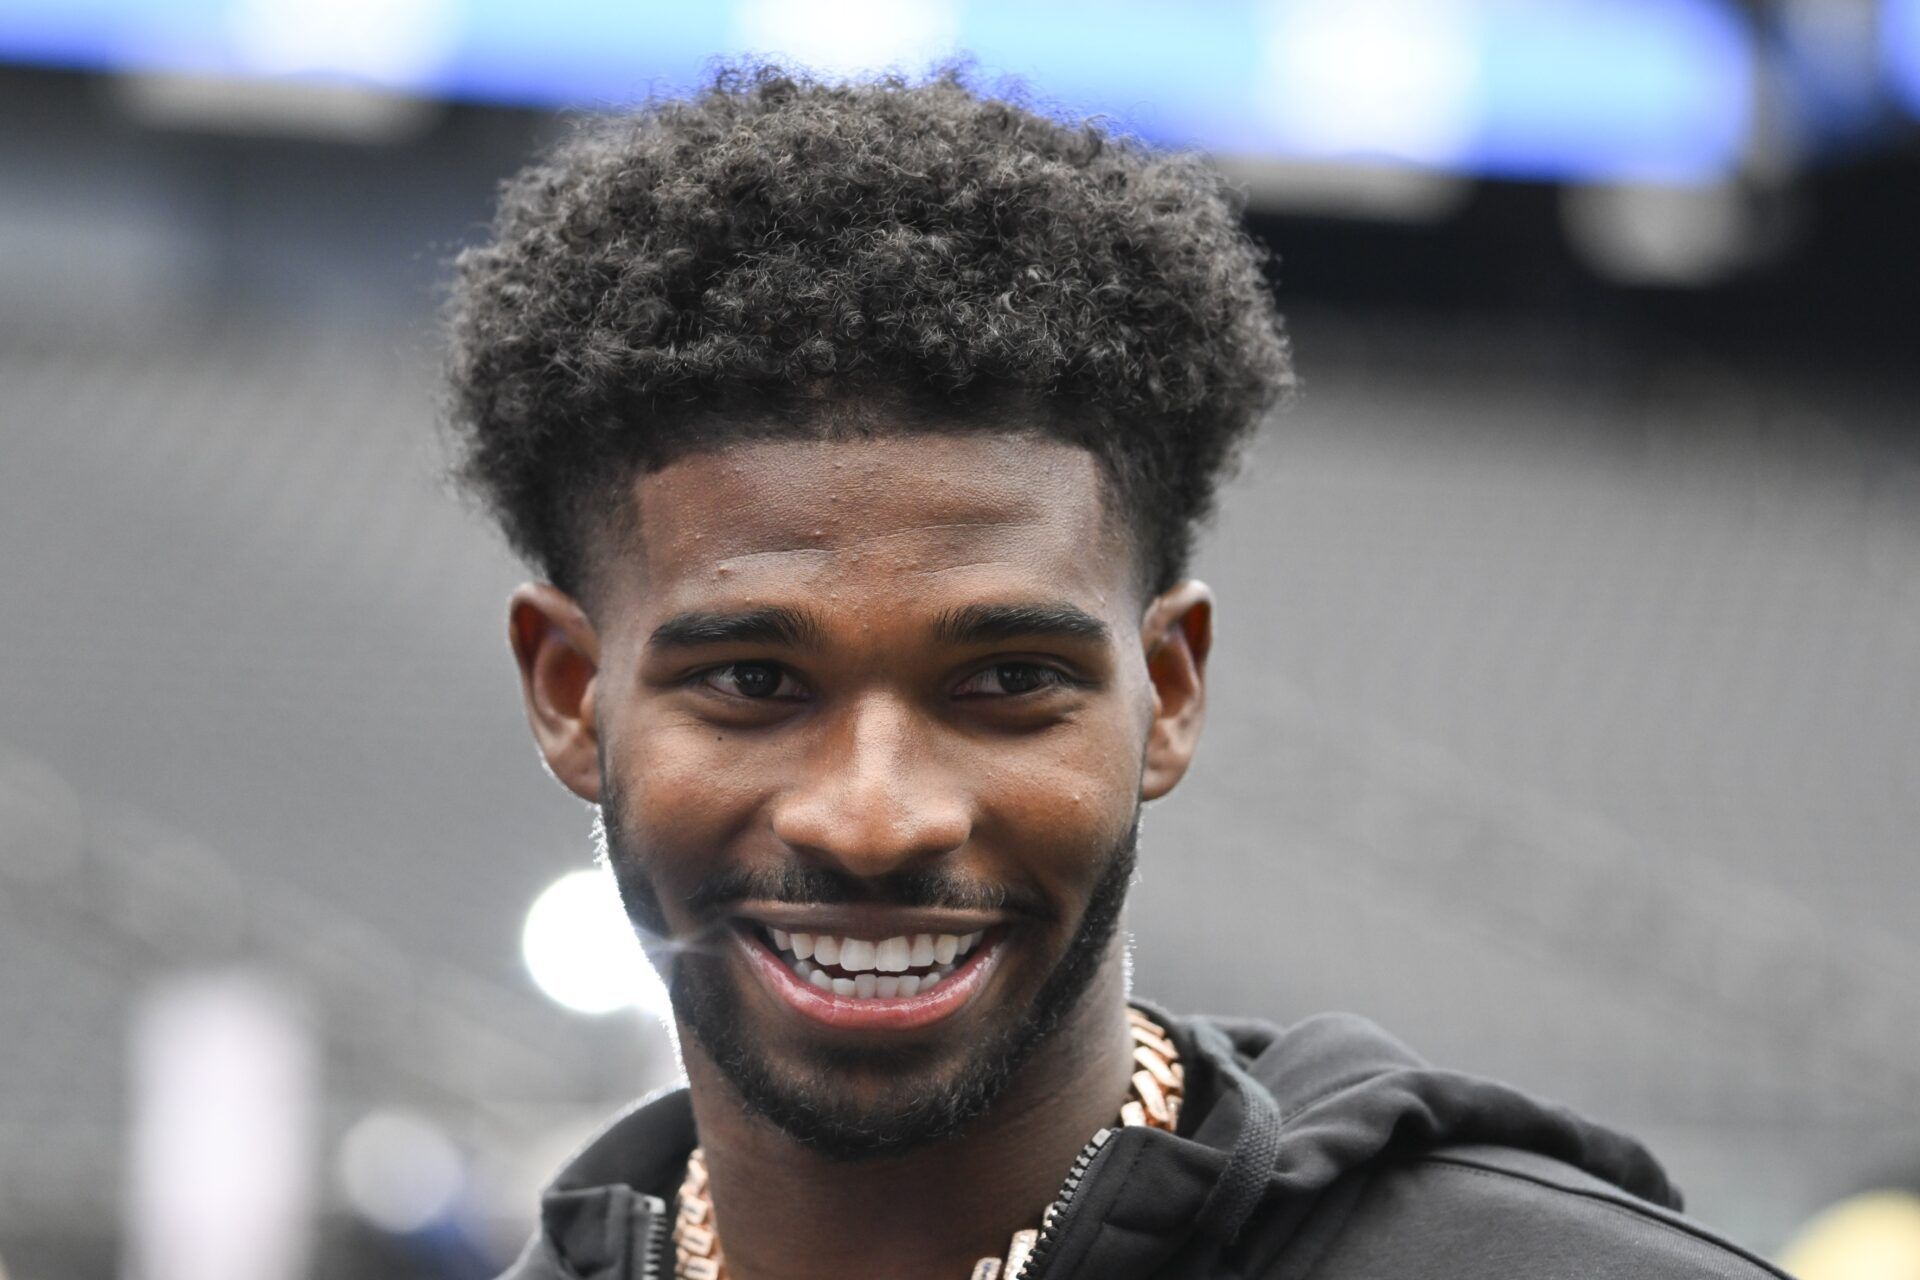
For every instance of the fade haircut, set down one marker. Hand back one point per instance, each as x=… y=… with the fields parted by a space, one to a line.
x=734 y=265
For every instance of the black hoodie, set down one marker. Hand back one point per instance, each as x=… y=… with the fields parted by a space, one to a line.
x=1326 y=1151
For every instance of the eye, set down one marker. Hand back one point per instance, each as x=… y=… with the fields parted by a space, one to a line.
x=1011 y=679
x=761 y=681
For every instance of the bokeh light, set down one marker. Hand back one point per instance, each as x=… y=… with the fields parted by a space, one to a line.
x=1872 y=1236
x=582 y=952
x=399 y=1172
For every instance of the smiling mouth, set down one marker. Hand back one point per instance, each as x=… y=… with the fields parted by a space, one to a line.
x=898 y=967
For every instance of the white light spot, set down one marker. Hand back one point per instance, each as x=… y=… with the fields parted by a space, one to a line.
x=581 y=950
x=848 y=37
x=1652 y=235
x=223 y=1092
x=398 y=43
x=399 y=1172
x=1388 y=78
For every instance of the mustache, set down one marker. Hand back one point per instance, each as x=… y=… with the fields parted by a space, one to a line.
x=823 y=886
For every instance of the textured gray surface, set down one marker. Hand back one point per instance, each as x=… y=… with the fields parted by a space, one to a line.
x=1570 y=734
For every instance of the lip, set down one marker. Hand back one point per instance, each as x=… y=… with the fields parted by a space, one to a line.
x=851 y=1013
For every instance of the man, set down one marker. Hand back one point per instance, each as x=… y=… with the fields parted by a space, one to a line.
x=860 y=433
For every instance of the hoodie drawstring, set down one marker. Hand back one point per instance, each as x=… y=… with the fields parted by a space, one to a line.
x=1250 y=1164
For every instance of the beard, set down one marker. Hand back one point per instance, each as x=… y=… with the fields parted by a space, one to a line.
x=930 y=1093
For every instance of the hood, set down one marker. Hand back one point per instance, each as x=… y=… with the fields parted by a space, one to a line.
x=1345 y=1093
x=1273 y=1118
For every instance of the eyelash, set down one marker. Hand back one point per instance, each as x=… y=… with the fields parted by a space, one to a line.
x=1047 y=677
x=708 y=677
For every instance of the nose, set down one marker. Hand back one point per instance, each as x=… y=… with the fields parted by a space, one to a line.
x=873 y=797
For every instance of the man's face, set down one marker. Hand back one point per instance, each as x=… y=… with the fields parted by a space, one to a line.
x=871 y=719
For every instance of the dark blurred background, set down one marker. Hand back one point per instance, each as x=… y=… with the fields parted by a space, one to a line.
x=1567 y=712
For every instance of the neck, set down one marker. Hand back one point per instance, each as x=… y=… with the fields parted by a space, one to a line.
x=786 y=1211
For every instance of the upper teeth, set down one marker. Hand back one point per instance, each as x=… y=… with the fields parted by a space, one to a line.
x=889 y=955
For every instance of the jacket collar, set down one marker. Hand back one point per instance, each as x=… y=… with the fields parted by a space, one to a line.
x=1272 y=1118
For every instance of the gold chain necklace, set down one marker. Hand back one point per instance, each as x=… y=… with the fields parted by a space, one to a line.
x=1153 y=1101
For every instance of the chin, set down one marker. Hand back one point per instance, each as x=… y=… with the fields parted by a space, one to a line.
x=855 y=1076
x=854 y=1097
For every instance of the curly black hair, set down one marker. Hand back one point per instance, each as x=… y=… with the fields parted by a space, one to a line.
x=718 y=268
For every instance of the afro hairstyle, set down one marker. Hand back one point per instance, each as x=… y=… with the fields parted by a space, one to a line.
x=730 y=265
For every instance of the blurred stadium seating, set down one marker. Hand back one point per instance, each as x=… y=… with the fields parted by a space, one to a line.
x=1567 y=714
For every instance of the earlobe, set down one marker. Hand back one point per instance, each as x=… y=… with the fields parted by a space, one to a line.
x=1178 y=635
x=558 y=651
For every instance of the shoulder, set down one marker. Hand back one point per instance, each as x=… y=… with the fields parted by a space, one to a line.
x=1488 y=1211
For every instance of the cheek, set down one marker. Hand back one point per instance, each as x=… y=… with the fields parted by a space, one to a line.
x=686 y=794
x=1062 y=808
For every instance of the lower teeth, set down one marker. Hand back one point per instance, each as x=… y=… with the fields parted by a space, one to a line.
x=871 y=986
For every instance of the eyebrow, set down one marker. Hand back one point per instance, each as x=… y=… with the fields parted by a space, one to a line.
x=992 y=623
x=771 y=624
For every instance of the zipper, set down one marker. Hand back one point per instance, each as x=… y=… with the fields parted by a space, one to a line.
x=1056 y=1214
x=653 y=1254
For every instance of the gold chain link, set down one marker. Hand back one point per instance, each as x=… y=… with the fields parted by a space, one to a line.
x=1153 y=1101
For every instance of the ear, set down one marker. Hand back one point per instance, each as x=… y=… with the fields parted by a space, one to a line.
x=559 y=655
x=1177 y=634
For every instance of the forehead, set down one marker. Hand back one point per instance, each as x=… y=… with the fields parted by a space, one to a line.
x=915 y=517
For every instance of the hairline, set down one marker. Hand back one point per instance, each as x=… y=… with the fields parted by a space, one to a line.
x=606 y=523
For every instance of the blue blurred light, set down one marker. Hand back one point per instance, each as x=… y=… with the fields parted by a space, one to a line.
x=1900 y=44
x=1619 y=89
x=1830 y=81
x=1657 y=90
